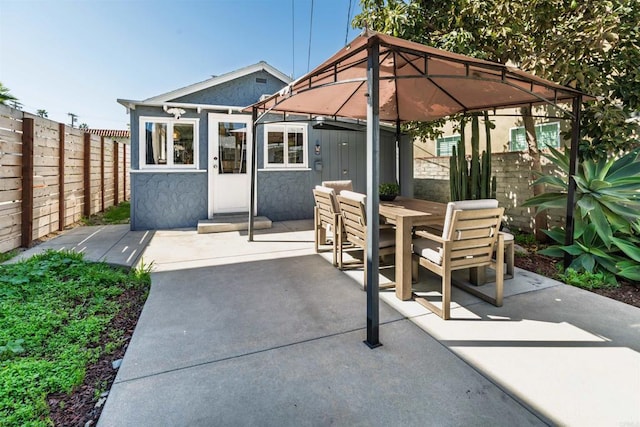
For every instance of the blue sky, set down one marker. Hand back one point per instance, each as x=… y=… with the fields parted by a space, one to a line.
x=80 y=56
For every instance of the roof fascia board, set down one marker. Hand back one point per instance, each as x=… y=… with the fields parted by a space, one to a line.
x=131 y=105
x=215 y=81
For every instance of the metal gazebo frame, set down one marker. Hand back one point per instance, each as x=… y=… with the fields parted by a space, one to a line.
x=378 y=77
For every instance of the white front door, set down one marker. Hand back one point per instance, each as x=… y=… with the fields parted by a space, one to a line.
x=229 y=163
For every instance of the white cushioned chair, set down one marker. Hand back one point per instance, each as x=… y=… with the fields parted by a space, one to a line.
x=468 y=238
x=339 y=186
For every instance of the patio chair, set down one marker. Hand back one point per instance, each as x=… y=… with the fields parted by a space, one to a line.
x=326 y=214
x=353 y=226
x=338 y=186
x=509 y=252
x=468 y=239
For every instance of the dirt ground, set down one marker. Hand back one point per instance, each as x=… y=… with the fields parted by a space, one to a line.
x=628 y=292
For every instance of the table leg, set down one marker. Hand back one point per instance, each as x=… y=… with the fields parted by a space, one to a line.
x=478 y=275
x=403 y=259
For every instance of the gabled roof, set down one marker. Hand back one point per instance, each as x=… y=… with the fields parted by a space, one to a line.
x=218 y=80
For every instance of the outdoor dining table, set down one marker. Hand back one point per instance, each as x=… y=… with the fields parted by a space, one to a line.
x=406 y=213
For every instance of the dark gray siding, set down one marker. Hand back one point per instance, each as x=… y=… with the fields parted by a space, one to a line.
x=167 y=200
x=240 y=92
x=286 y=195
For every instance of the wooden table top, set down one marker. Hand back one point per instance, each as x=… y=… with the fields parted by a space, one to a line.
x=406 y=207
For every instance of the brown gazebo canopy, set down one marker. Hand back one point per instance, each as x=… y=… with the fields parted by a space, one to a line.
x=378 y=77
x=417 y=83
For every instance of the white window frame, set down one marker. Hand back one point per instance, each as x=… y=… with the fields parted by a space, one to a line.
x=537 y=127
x=142 y=146
x=305 y=146
x=441 y=140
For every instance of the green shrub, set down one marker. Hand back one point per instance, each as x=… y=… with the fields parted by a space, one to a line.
x=607 y=220
x=525 y=239
x=590 y=281
x=389 y=189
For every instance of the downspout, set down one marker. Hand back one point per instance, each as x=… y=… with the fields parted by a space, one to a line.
x=372 y=208
x=254 y=167
x=573 y=170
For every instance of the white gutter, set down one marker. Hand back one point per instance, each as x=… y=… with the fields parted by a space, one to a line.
x=131 y=105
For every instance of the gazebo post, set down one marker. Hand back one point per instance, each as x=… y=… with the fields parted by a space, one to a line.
x=573 y=170
x=254 y=138
x=373 y=177
x=398 y=155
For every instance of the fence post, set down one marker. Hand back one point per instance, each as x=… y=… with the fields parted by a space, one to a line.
x=27 y=181
x=124 y=171
x=87 y=174
x=116 y=160
x=102 y=173
x=61 y=193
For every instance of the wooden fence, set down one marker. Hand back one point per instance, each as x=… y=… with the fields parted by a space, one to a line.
x=51 y=175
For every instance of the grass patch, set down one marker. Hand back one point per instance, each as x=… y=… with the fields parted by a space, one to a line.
x=54 y=309
x=6 y=256
x=113 y=215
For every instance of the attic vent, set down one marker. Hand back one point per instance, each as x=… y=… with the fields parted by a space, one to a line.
x=260 y=80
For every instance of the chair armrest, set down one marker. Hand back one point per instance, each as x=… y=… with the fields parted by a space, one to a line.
x=430 y=236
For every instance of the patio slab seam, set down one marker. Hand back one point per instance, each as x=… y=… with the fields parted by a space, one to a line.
x=104 y=256
x=303 y=251
x=251 y=353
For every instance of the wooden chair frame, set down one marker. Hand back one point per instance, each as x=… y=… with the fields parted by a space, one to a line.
x=325 y=216
x=353 y=229
x=473 y=236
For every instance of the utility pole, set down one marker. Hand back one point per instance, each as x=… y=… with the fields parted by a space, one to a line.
x=74 y=118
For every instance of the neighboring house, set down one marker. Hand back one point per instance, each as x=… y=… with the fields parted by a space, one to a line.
x=191 y=153
x=507 y=136
x=122 y=136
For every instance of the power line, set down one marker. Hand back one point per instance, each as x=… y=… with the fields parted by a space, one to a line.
x=346 y=36
x=310 y=31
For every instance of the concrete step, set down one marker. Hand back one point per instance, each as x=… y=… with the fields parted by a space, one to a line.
x=238 y=222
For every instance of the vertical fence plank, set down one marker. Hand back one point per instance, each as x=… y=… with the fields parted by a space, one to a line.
x=61 y=198
x=102 y=173
x=116 y=160
x=87 y=174
x=28 y=128
x=124 y=172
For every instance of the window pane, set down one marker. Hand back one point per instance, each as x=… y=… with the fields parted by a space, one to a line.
x=183 y=144
x=548 y=135
x=275 y=145
x=156 y=143
x=518 y=139
x=296 y=145
x=232 y=147
x=444 y=146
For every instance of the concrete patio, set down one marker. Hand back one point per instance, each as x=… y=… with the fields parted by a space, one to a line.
x=269 y=333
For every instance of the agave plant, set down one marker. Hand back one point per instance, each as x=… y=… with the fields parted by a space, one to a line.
x=607 y=216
